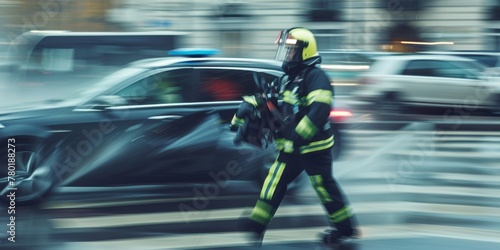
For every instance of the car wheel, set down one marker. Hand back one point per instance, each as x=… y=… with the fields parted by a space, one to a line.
x=30 y=180
x=390 y=102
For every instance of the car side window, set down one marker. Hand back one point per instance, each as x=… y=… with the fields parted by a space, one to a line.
x=166 y=87
x=436 y=68
x=419 y=68
x=227 y=84
x=449 y=70
x=488 y=60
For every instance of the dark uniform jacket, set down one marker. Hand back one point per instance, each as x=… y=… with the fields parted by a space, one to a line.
x=307 y=100
x=306 y=107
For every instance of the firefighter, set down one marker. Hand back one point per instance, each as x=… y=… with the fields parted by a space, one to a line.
x=306 y=141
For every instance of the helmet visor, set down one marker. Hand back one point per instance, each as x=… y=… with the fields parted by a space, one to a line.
x=289 y=48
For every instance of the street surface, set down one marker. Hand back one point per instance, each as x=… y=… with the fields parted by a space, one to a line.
x=412 y=187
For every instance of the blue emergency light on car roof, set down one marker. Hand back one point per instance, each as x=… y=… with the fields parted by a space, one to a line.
x=193 y=52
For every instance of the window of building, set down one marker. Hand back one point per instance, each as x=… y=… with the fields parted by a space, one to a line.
x=328 y=39
x=232 y=42
x=325 y=11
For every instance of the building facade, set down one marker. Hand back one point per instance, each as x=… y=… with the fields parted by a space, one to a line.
x=249 y=28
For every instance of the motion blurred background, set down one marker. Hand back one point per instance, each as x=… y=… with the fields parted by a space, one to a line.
x=247 y=29
x=422 y=177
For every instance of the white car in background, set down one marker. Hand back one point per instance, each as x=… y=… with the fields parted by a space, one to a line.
x=489 y=59
x=394 y=82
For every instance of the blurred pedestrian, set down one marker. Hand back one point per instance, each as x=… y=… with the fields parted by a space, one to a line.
x=306 y=141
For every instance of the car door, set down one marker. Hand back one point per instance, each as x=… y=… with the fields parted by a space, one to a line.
x=419 y=84
x=459 y=85
x=150 y=102
x=437 y=82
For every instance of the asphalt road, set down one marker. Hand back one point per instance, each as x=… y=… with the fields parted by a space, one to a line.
x=413 y=185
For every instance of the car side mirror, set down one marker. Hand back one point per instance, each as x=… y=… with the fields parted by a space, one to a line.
x=106 y=101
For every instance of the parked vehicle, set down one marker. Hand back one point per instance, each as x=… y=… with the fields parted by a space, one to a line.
x=345 y=66
x=427 y=80
x=489 y=59
x=157 y=121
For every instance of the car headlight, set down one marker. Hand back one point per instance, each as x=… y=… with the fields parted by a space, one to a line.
x=2 y=126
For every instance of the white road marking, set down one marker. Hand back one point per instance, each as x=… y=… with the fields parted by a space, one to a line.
x=294 y=210
x=274 y=236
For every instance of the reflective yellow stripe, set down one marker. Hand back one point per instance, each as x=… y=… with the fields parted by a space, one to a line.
x=276 y=180
x=341 y=215
x=320 y=95
x=344 y=217
x=273 y=182
x=317 y=145
x=287 y=145
x=261 y=212
x=237 y=121
x=317 y=182
x=251 y=100
x=306 y=128
x=290 y=98
x=269 y=177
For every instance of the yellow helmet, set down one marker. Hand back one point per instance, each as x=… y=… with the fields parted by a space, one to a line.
x=295 y=46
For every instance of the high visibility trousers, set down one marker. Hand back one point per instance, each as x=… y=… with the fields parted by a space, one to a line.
x=318 y=166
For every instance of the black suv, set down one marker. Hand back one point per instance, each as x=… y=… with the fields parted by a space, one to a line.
x=156 y=121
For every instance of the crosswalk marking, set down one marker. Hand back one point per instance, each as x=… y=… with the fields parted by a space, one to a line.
x=457 y=232
x=290 y=210
x=445 y=144
x=172 y=217
x=200 y=241
x=422 y=132
x=483 y=178
x=479 y=192
x=431 y=153
x=417 y=152
x=103 y=204
x=479 y=178
x=390 y=217
x=373 y=183
x=420 y=144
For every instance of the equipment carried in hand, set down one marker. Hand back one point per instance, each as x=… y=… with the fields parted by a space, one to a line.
x=258 y=118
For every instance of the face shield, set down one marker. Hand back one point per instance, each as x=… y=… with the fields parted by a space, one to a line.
x=289 y=48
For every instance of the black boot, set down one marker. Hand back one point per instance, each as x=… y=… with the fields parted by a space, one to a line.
x=256 y=230
x=333 y=238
